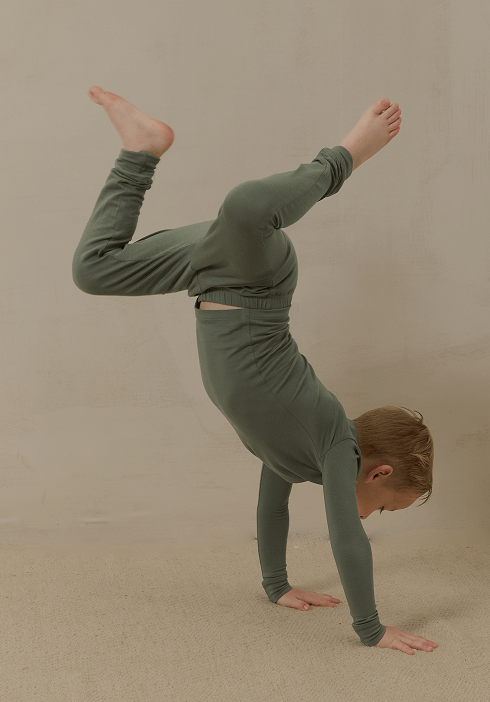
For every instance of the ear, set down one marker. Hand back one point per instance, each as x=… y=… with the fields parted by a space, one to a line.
x=382 y=471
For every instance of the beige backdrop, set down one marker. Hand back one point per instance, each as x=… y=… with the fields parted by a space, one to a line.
x=107 y=434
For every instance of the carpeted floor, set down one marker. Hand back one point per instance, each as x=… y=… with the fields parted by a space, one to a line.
x=88 y=622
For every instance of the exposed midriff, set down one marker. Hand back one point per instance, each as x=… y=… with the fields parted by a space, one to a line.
x=205 y=305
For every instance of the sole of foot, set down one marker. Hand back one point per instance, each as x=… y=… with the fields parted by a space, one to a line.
x=137 y=131
x=376 y=128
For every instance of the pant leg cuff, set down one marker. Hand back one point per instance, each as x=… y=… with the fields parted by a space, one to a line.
x=137 y=167
x=143 y=161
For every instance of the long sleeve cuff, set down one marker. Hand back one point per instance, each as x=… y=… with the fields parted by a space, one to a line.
x=275 y=587
x=370 y=630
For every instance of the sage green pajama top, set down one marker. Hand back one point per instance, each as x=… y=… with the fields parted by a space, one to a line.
x=251 y=366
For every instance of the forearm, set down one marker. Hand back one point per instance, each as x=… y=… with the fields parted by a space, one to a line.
x=350 y=545
x=272 y=532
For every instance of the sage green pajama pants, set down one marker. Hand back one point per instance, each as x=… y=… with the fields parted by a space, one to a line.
x=250 y=365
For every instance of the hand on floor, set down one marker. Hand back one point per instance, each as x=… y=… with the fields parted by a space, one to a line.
x=301 y=599
x=403 y=641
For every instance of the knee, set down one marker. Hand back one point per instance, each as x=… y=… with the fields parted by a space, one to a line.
x=83 y=278
x=245 y=204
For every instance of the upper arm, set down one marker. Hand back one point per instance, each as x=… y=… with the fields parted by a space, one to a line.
x=339 y=473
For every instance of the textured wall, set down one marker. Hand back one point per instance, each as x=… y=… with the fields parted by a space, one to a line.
x=105 y=428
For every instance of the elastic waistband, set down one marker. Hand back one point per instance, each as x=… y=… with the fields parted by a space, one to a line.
x=275 y=314
x=275 y=302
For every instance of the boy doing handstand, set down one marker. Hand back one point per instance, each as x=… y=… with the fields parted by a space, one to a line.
x=242 y=268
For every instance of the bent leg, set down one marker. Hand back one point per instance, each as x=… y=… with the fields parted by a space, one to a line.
x=243 y=246
x=105 y=263
x=240 y=248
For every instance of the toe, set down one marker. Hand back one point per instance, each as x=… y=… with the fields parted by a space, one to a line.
x=381 y=105
x=96 y=94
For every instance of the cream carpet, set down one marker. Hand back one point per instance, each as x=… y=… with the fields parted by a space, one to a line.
x=87 y=622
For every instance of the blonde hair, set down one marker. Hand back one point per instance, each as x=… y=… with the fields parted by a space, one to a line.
x=401 y=440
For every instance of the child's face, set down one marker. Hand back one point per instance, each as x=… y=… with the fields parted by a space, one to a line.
x=372 y=493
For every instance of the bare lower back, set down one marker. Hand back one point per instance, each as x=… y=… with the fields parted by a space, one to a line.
x=217 y=306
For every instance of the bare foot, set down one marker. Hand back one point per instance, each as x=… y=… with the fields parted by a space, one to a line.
x=376 y=128
x=301 y=599
x=137 y=131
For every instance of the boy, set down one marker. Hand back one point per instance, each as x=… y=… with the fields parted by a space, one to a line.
x=243 y=269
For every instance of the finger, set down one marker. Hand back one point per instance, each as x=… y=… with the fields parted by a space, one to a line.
x=413 y=639
x=422 y=645
x=316 y=603
x=320 y=600
x=331 y=602
x=333 y=599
